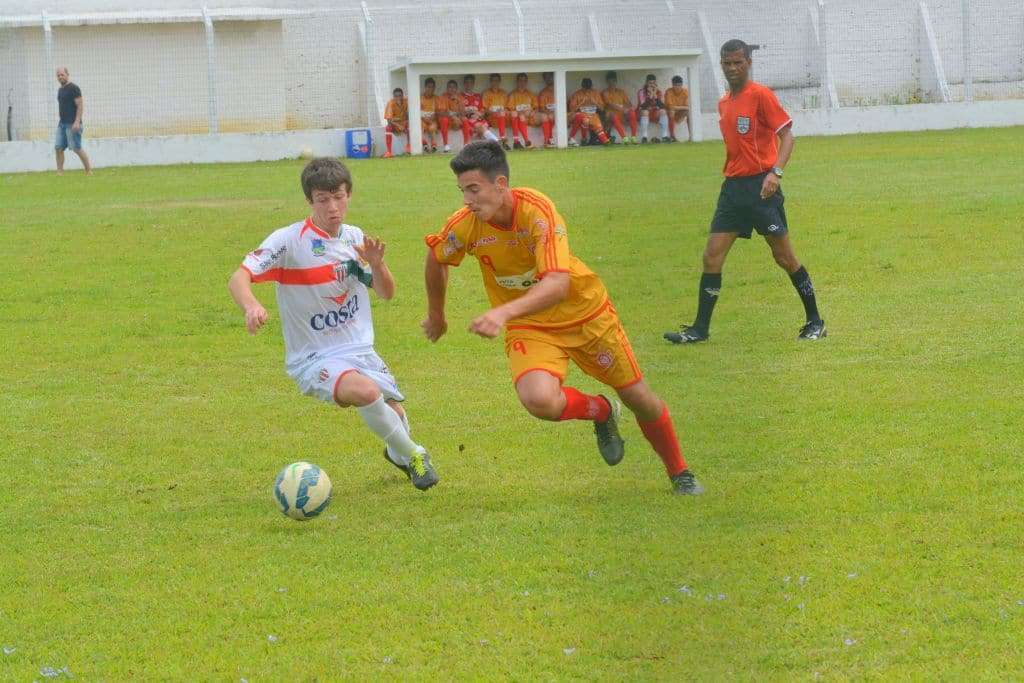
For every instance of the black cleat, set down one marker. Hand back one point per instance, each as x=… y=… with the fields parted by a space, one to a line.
x=656 y=140
x=517 y=145
x=609 y=443
x=813 y=329
x=685 y=484
x=643 y=141
x=504 y=145
x=404 y=468
x=667 y=139
x=687 y=334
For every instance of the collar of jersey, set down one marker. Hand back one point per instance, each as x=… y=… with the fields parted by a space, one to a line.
x=515 y=210
x=310 y=225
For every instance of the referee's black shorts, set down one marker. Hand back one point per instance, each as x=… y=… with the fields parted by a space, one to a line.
x=741 y=210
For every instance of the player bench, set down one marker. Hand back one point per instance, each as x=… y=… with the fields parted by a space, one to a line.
x=409 y=74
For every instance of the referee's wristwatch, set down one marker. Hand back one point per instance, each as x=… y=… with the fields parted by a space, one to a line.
x=777 y=170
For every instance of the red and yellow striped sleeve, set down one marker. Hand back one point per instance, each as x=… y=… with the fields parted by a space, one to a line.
x=547 y=228
x=449 y=244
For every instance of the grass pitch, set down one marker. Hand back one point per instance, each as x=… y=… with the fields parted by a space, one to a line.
x=864 y=492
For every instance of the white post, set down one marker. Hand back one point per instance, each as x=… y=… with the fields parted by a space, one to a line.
x=521 y=27
x=561 y=120
x=48 y=43
x=478 y=33
x=696 y=119
x=965 y=11
x=671 y=6
x=211 y=73
x=595 y=35
x=827 y=81
x=375 y=101
x=415 y=132
x=711 y=51
x=933 y=48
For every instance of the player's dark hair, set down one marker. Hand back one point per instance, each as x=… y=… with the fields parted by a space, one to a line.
x=735 y=45
x=327 y=174
x=650 y=77
x=677 y=80
x=521 y=75
x=452 y=82
x=493 y=76
x=587 y=83
x=468 y=77
x=430 y=81
x=396 y=91
x=485 y=156
x=610 y=75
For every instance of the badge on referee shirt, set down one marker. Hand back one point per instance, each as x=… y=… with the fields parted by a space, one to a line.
x=742 y=125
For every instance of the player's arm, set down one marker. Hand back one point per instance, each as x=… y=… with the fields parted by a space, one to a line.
x=372 y=251
x=786 y=142
x=551 y=290
x=240 y=286
x=435 y=276
x=79 y=110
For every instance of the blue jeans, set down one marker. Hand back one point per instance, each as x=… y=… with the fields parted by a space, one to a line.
x=66 y=138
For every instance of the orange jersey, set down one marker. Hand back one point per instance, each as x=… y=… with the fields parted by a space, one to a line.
x=546 y=99
x=617 y=96
x=677 y=97
x=514 y=259
x=448 y=103
x=586 y=101
x=750 y=122
x=397 y=111
x=428 y=106
x=522 y=101
x=495 y=101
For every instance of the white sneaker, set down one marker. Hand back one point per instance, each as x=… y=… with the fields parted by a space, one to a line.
x=447 y=149
x=573 y=143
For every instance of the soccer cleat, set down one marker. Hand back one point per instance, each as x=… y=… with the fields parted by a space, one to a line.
x=504 y=146
x=573 y=143
x=549 y=143
x=447 y=149
x=517 y=145
x=609 y=443
x=618 y=141
x=667 y=139
x=421 y=472
x=813 y=329
x=387 y=155
x=643 y=141
x=685 y=484
x=527 y=144
x=404 y=468
x=687 y=334
x=655 y=140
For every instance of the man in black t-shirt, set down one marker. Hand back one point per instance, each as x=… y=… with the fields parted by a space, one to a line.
x=69 y=128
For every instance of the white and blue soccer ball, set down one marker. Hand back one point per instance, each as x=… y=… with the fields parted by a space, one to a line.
x=302 y=490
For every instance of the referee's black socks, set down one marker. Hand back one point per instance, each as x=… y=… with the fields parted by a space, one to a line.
x=802 y=282
x=710 y=285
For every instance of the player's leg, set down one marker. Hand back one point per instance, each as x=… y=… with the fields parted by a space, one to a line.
x=645 y=121
x=663 y=122
x=617 y=124
x=715 y=252
x=547 y=126
x=782 y=251
x=352 y=388
x=389 y=135
x=632 y=125
x=578 y=121
x=595 y=125
x=60 y=143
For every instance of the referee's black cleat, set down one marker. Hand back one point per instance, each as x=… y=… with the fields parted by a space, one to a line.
x=687 y=334
x=397 y=463
x=685 y=484
x=609 y=442
x=813 y=329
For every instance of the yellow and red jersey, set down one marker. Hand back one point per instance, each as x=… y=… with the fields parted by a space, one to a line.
x=586 y=101
x=750 y=120
x=546 y=99
x=472 y=104
x=514 y=259
x=522 y=101
x=616 y=96
x=448 y=103
x=397 y=111
x=677 y=96
x=428 y=106
x=495 y=101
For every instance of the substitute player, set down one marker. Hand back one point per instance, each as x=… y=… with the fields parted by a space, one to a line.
x=551 y=306
x=618 y=105
x=651 y=107
x=428 y=115
x=324 y=270
x=495 y=101
x=472 y=104
x=546 y=105
x=396 y=114
x=523 y=112
x=449 y=111
x=677 y=106
x=586 y=106
x=751 y=119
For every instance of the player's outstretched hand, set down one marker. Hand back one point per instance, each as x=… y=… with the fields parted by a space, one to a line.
x=770 y=185
x=371 y=251
x=434 y=327
x=255 y=318
x=488 y=325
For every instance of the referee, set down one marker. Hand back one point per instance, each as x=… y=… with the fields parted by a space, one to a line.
x=751 y=118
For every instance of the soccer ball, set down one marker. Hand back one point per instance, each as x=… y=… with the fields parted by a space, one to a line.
x=302 y=490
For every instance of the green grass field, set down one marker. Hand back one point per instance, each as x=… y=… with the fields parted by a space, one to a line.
x=864 y=508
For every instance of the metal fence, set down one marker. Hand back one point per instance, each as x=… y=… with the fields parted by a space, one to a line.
x=161 y=72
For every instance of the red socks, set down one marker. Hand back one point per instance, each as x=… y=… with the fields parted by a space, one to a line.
x=546 y=126
x=617 y=121
x=444 y=129
x=632 y=122
x=388 y=136
x=467 y=131
x=580 y=406
x=662 y=435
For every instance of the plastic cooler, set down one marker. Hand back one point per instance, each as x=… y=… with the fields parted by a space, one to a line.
x=358 y=143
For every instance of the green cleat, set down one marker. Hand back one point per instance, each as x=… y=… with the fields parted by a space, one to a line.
x=609 y=443
x=685 y=484
x=421 y=472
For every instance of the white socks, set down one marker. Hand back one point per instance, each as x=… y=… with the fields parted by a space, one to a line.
x=385 y=423
x=644 y=120
x=663 y=120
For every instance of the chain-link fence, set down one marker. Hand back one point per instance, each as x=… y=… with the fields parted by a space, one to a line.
x=192 y=70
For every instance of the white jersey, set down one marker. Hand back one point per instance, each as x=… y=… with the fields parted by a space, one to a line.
x=322 y=290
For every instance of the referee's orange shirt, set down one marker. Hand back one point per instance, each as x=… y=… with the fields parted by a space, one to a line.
x=750 y=122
